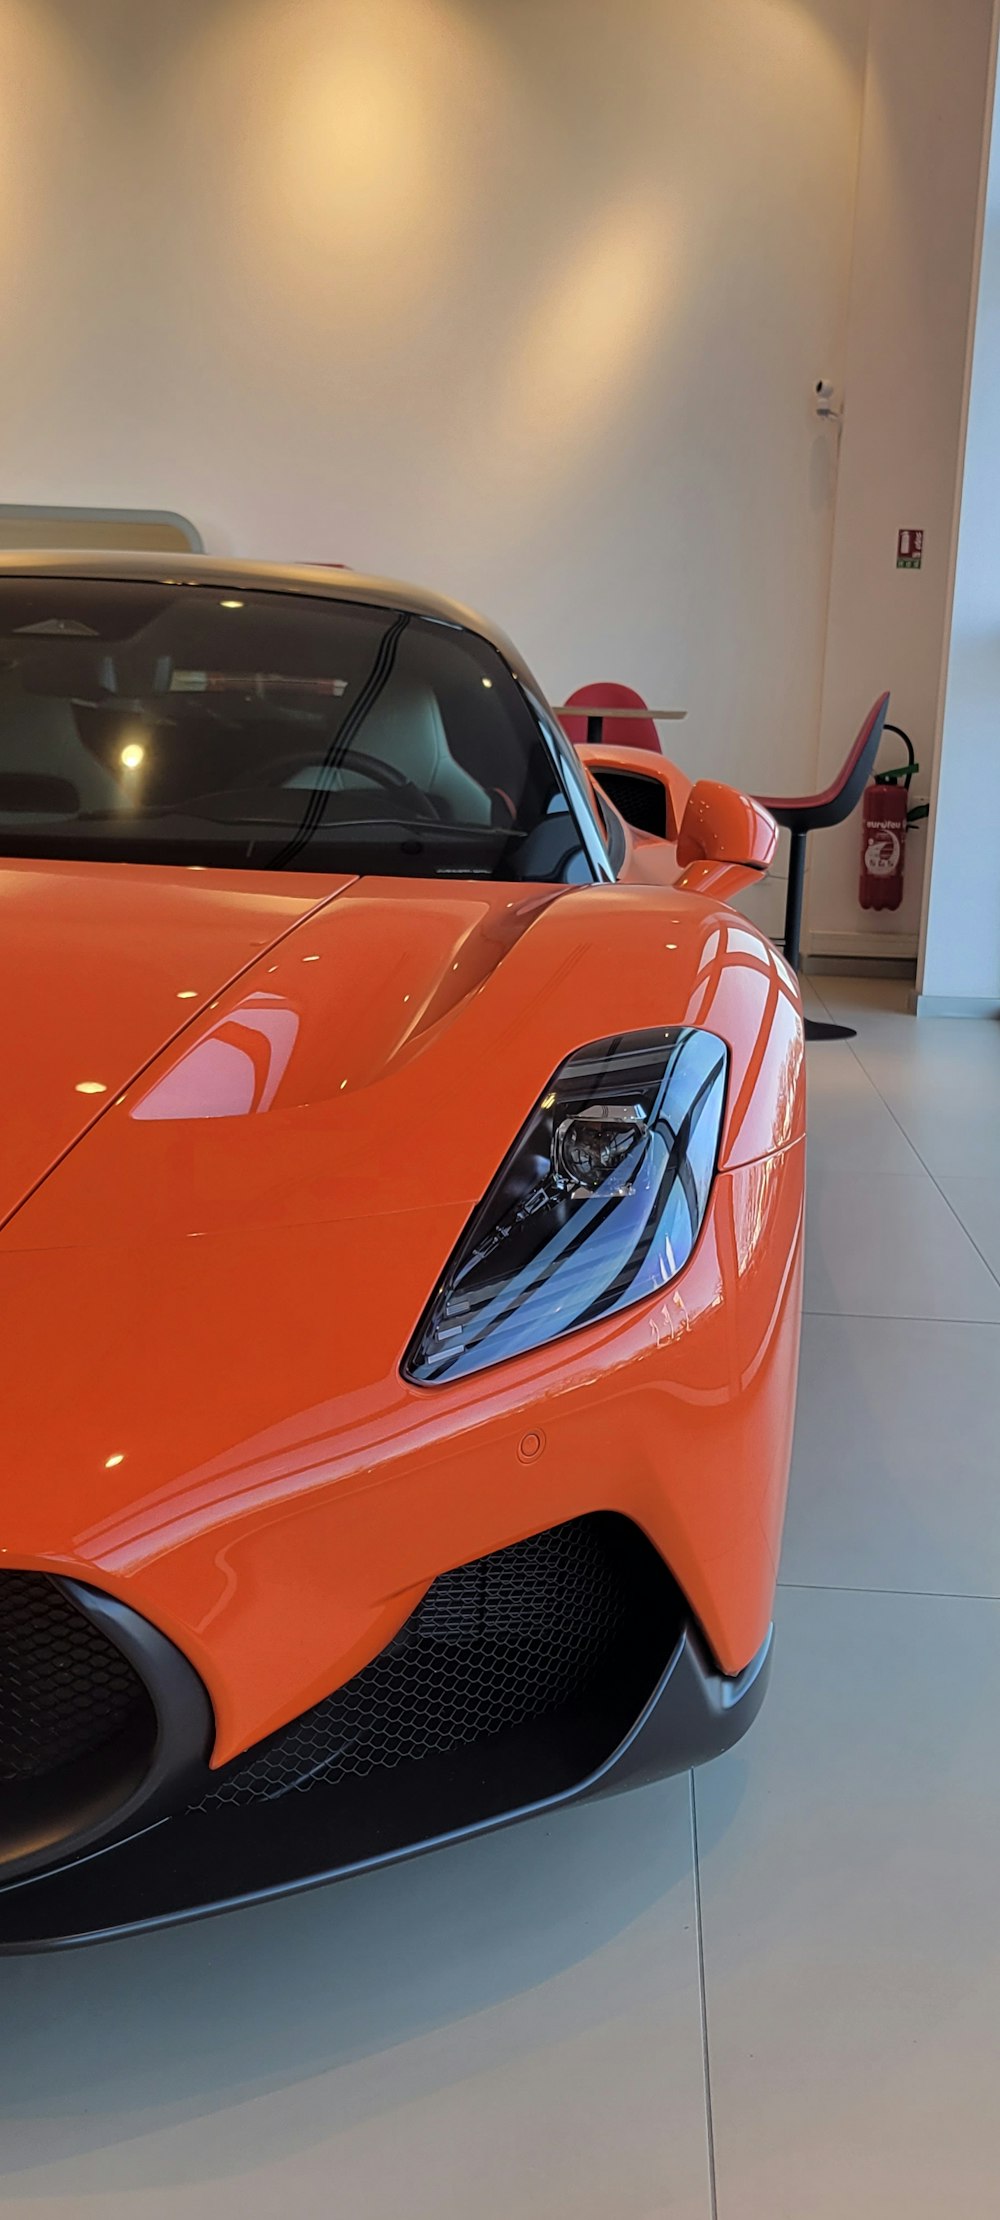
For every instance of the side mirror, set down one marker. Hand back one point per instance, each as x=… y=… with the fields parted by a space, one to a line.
x=646 y=790
x=726 y=840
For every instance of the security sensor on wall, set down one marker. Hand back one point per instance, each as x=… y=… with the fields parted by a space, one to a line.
x=827 y=401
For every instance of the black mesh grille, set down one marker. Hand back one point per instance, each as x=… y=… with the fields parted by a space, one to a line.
x=65 y=1691
x=509 y=1638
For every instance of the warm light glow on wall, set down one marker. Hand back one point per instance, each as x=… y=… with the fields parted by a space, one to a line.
x=354 y=150
x=802 y=36
x=588 y=340
x=36 y=65
x=361 y=165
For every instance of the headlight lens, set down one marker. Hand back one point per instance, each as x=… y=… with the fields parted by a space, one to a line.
x=598 y=1204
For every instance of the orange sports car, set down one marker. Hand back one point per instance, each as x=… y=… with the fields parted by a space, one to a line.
x=401 y=1184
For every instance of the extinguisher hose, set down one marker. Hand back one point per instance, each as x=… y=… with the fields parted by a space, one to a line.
x=902 y=774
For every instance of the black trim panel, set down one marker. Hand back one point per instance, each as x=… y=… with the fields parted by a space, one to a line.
x=132 y=1782
x=638 y=796
x=201 y=1863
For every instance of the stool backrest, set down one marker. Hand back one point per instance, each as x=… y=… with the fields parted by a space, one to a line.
x=810 y=812
x=618 y=732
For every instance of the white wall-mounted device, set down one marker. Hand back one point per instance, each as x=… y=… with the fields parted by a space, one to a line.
x=827 y=401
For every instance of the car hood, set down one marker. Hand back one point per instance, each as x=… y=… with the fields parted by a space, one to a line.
x=103 y=965
x=375 y=1051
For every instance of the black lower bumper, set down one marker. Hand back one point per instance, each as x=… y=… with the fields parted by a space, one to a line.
x=203 y=1862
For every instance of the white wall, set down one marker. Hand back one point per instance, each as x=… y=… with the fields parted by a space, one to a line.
x=960 y=957
x=523 y=298
x=918 y=194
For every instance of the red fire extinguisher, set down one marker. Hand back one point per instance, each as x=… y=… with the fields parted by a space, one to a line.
x=885 y=815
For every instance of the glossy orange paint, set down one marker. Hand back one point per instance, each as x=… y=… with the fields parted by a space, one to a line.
x=103 y=968
x=720 y=825
x=206 y=1304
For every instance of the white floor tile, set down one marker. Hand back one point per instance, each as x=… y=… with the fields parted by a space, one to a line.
x=948 y=1144
x=508 y=2028
x=810 y=999
x=866 y=999
x=949 y=1114
x=896 y=1466
x=890 y=1247
x=850 y=1128
x=939 y=1077
x=977 y=1202
x=852 y=1945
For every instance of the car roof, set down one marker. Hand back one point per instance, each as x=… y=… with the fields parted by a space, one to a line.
x=315 y=580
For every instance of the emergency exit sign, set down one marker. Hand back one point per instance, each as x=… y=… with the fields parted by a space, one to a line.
x=909 y=549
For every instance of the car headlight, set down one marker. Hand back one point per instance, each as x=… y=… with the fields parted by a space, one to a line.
x=599 y=1203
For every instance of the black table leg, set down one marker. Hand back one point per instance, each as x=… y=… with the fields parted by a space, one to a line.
x=793 y=898
x=816 y=1029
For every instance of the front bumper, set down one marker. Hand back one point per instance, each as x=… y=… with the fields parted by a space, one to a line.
x=280 y=1518
x=560 y=1668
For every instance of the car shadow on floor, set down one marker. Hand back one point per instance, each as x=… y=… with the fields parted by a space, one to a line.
x=102 y=2048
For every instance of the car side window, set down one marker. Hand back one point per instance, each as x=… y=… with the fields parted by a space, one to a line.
x=588 y=815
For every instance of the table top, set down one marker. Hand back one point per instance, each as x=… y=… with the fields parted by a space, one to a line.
x=591 y=709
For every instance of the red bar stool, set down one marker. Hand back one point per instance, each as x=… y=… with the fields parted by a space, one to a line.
x=806 y=813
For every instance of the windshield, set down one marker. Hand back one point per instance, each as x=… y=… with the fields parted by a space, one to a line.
x=267 y=731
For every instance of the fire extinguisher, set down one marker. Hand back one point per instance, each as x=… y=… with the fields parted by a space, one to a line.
x=885 y=815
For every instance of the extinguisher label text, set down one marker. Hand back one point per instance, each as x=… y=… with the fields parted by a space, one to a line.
x=882 y=852
x=883 y=842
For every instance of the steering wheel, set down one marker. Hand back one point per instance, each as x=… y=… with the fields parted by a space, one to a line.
x=380 y=774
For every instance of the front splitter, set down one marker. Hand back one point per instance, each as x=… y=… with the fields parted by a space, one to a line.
x=204 y=1862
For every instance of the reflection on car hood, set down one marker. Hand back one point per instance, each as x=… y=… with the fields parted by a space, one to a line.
x=378 y=1058
x=104 y=964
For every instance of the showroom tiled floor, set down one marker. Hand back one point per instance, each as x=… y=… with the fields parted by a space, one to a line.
x=542 y=2025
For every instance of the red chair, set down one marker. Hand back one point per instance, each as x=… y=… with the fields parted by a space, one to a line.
x=597 y=725
x=806 y=813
